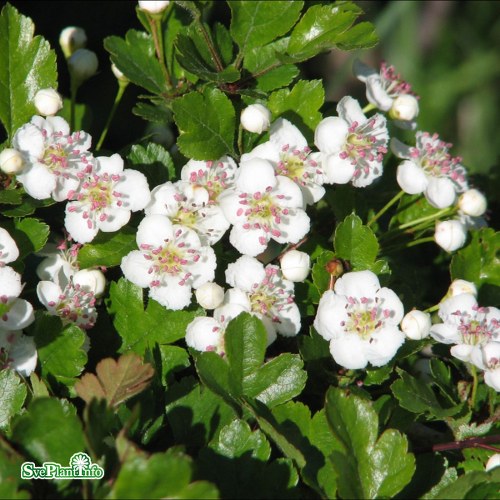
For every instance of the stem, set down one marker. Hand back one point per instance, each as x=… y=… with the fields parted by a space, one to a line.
x=427 y=239
x=119 y=94
x=369 y=107
x=466 y=443
x=210 y=45
x=431 y=309
x=473 y=372
x=155 y=24
x=436 y=215
x=240 y=139
x=386 y=207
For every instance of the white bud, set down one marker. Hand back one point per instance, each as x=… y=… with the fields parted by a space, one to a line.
x=11 y=161
x=255 y=118
x=71 y=39
x=493 y=461
x=472 y=203
x=91 y=280
x=83 y=64
x=416 y=325
x=48 y=102
x=153 y=7
x=295 y=265
x=210 y=295
x=450 y=235
x=458 y=287
x=404 y=107
x=118 y=74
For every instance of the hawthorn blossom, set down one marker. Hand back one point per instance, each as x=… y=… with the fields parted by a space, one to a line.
x=295 y=265
x=263 y=206
x=11 y=161
x=15 y=313
x=210 y=295
x=467 y=325
x=255 y=118
x=171 y=260
x=53 y=157
x=8 y=248
x=387 y=91
x=490 y=363
x=430 y=169
x=291 y=157
x=18 y=352
x=104 y=201
x=353 y=145
x=360 y=320
x=264 y=292
x=189 y=205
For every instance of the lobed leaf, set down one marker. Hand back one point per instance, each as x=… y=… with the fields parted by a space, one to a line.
x=12 y=395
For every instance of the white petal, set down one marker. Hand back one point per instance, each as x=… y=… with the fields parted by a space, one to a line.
x=331 y=134
x=389 y=300
x=58 y=124
x=312 y=193
x=48 y=294
x=291 y=192
x=338 y=170
x=358 y=284
x=400 y=149
x=38 y=181
x=362 y=71
x=20 y=316
x=296 y=227
x=10 y=283
x=134 y=189
x=270 y=328
x=154 y=230
x=350 y=110
x=289 y=321
x=463 y=302
x=77 y=226
x=267 y=151
x=229 y=201
x=110 y=164
x=225 y=313
x=463 y=352
x=23 y=354
x=376 y=94
x=204 y=270
x=249 y=241
x=204 y=334
x=282 y=133
x=117 y=218
x=411 y=178
x=8 y=248
x=173 y=296
x=235 y=297
x=163 y=201
x=331 y=315
x=255 y=175
x=244 y=273
x=135 y=268
x=492 y=379
x=383 y=345
x=445 y=333
x=349 y=351
x=30 y=141
x=440 y=192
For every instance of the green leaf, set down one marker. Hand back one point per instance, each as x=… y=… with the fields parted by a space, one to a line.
x=465 y=486
x=206 y=123
x=321 y=277
x=303 y=101
x=135 y=57
x=156 y=112
x=30 y=235
x=28 y=65
x=11 y=196
x=49 y=431
x=255 y=23
x=173 y=359
x=479 y=261
x=12 y=395
x=360 y=36
x=413 y=207
x=27 y=207
x=356 y=243
x=366 y=467
x=141 y=328
x=154 y=161
x=10 y=465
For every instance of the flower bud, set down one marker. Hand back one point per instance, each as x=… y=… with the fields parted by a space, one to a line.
x=493 y=461
x=48 y=102
x=210 y=295
x=91 y=280
x=118 y=74
x=416 y=325
x=450 y=235
x=472 y=203
x=11 y=161
x=458 y=287
x=404 y=107
x=295 y=265
x=255 y=118
x=334 y=267
x=71 y=39
x=153 y=7
x=82 y=65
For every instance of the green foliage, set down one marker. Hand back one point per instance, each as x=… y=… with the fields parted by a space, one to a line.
x=154 y=161
x=12 y=395
x=30 y=235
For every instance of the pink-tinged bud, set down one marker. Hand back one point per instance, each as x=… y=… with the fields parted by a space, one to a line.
x=472 y=203
x=153 y=7
x=210 y=295
x=48 y=102
x=82 y=65
x=416 y=325
x=11 y=161
x=404 y=107
x=71 y=39
x=450 y=235
x=458 y=287
x=493 y=462
x=295 y=265
x=255 y=118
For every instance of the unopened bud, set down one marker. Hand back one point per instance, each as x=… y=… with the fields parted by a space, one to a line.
x=295 y=265
x=335 y=267
x=416 y=325
x=255 y=118
x=48 y=102
x=210 y=295
x=118 y=74
x=404 y=107
x=153 y=7
x=450 y=235
x=82 y=65
x=71 y=39
x=493 y=462
x=11 y=161
x=458 y=287
x=91 y=280
x=472 y=203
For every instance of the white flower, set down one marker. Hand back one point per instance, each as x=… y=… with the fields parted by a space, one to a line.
x=214 y=176
x=493 y=461
x=105 y=199
x=416 y=325
x=430 y=169
x=210 y=295
x=171 y=261
x=15 y=313
x=152 y=6
x=466 y=325
x=189 y=205
x=59 y=264
x=255 y=118
x=461 y=286
x=288 y=152
x=8 y=248
x=82 y=65
x=388 y=91
x=450 y=235
x=54 y=158
x=91 y=280
x=295 y=265
x=360 y=320
x=353 y=145
x=17 y=351
x=48 y=102
x=472 y=203
x=71 y=39
x=489 y=361
x=264 y=292
x=263 y=206
x=11 y=161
